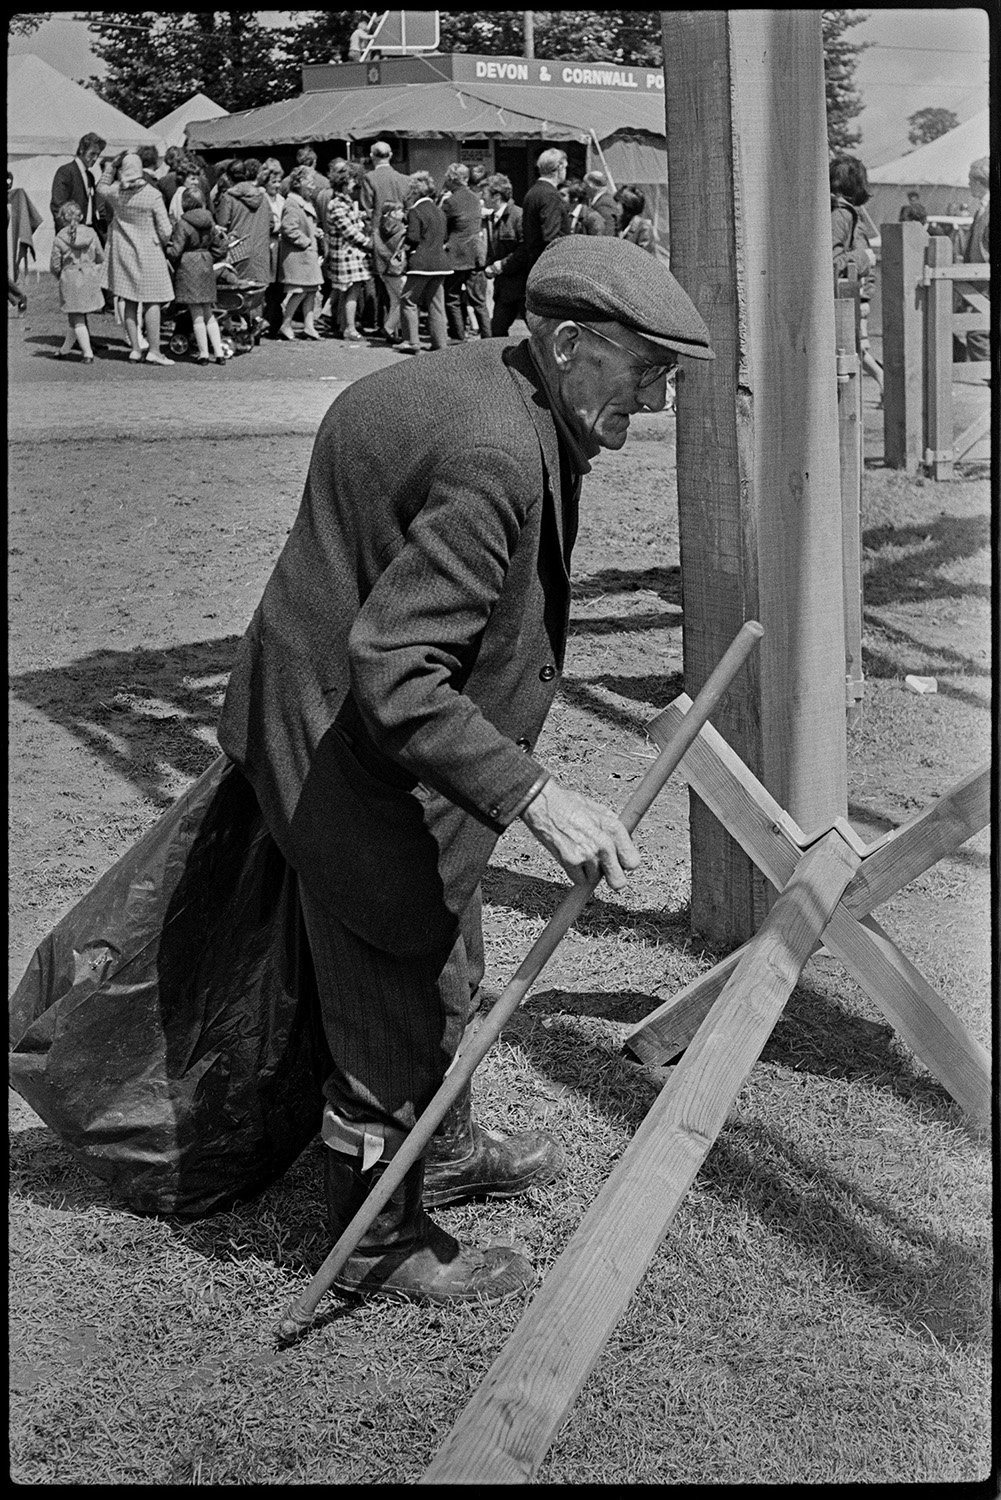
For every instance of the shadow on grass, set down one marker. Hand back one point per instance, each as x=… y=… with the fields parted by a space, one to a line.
x=148 y=715
x=534 y=897
x=663 y=581
x=932 y=546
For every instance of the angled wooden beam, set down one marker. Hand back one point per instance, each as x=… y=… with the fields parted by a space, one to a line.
x=930 y=1028
x=906 y=852
x=506 y=1430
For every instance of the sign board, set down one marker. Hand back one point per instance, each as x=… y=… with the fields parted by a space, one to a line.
x=621 y=77
x=406 y=31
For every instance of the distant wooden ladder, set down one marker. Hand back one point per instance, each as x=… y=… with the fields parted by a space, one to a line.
x=829 y=882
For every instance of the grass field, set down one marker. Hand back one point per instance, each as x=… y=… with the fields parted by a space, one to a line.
x=819 y=1311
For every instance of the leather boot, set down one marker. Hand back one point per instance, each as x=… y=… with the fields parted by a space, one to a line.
x=465 y=1161
x=404 y=1255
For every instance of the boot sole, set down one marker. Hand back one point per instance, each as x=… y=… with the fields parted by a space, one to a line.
x=440 y=1197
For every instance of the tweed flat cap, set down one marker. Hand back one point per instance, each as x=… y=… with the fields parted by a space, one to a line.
x=599 y=277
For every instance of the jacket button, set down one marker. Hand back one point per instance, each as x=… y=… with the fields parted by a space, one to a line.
x=493 y=812
x=523 y=744
x=547 y=673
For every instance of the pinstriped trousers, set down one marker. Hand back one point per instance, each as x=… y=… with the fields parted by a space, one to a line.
x=392 y=1024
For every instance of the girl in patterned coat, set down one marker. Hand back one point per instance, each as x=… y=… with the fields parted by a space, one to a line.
x=76 y=260
x=348 y=260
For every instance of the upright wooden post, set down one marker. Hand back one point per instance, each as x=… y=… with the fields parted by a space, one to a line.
x=846 y=323
x=939 y=297
x=901 y=263
x=758 y=486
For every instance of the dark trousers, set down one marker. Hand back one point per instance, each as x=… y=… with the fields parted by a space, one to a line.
x=392 y=1024
x=455 y=303
x=509 y=304
x=476 y=298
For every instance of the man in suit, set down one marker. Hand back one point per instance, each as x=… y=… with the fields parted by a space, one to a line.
x=381 y=184
x=463 y=212
x=75 y=181
x=544 y=214
x=603 y=200
x=505 y=262
x=386 y=700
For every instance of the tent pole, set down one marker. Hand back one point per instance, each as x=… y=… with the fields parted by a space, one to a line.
x=604 y=163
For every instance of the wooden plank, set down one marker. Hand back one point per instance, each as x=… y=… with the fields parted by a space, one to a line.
x=972 y=322
x=901 y=260
x=757 y=444
x=930 y=1028
x=977 y=429
x=938 y=361
x=506 y=1430
x=905 y=853
x=667 y=1030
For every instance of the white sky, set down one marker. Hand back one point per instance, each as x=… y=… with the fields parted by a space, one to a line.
x=922 y=57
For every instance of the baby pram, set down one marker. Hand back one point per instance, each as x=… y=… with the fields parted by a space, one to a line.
x=239 y=308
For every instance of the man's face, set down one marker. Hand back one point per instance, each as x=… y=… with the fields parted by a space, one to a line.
x=603 y=384
x=90 y=156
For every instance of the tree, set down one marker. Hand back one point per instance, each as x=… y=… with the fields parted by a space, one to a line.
x=26 y=23
x=844 y=103
x=928 y=124
x=158 y=59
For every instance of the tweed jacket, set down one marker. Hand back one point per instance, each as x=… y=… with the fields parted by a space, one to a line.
x=387 y=695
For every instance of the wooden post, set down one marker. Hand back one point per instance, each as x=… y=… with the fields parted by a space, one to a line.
x=938 y=454
x=901 y=263
x=758 y=491
x=846 y=305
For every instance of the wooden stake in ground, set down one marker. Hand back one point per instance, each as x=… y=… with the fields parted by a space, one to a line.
x=299 y=1315
x=505 y=1431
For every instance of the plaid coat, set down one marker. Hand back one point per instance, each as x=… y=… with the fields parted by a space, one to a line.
x=348 y=258
x=388 y=693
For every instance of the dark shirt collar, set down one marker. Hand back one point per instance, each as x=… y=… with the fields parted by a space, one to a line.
x=570 y=444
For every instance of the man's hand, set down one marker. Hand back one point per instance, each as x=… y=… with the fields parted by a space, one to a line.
x=585 y=837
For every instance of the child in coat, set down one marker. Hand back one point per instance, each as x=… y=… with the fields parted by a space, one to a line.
x=195 y=245
x=76 y=259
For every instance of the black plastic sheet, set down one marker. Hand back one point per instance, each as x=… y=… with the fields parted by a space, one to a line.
x=167 y=1029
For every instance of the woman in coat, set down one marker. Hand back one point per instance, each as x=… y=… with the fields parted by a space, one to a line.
x=427 y=266
x=635 y=225
x=243 y=211
x=299 y=255
x=348 y=257
x=135 y=268
x=195 y=245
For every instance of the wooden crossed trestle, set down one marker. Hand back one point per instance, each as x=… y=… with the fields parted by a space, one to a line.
x=828 y=884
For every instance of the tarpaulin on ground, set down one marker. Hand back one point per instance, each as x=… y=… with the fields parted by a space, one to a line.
x=167 y=1029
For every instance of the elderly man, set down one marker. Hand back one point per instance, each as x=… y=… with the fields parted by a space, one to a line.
x=385 y=704
x=75 y=182
x=383 y=184
x=602 y=200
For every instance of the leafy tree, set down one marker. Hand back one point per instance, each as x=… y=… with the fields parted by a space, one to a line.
x=844 y=103
x=158 y=59
x=26 y=23
x=928 y=124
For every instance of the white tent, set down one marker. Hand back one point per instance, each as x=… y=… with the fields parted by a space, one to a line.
x=47 y=113
x=171 y=129
x=940 y=171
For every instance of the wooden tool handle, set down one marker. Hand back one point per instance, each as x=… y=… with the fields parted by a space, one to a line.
x=299 y=1315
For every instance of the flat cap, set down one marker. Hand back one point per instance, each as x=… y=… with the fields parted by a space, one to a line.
x=600 y=277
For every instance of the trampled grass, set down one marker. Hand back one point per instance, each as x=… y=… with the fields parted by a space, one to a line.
x=819 y=1310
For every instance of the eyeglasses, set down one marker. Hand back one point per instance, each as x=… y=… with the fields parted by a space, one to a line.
x=651 y=373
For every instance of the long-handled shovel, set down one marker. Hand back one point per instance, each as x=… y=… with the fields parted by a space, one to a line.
x=299 y=1314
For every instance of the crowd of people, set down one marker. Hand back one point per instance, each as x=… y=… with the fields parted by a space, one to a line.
x=362 y=251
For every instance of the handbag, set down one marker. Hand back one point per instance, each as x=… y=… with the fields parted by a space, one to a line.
x=167 y=1029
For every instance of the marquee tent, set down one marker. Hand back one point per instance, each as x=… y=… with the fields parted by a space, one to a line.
x=616 y=112
x=172 y=129
x=939 y=170
x=47 y=113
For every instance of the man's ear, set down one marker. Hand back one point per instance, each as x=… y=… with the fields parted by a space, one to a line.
x=565 y=339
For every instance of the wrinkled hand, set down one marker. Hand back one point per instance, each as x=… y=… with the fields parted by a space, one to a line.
x=585 y=837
